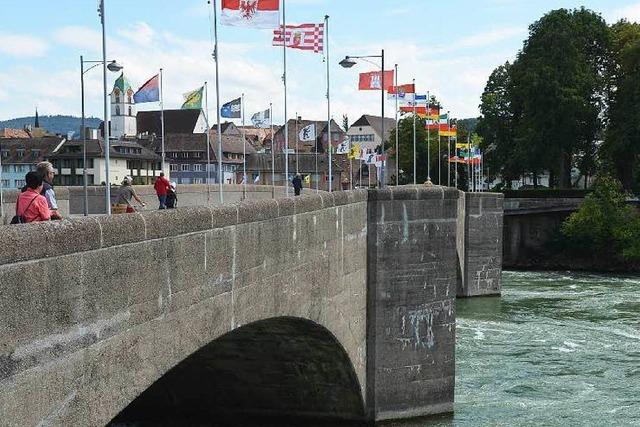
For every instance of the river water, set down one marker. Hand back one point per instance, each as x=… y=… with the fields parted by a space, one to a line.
x=556 y=349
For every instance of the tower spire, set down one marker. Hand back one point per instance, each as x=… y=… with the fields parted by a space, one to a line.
x=37 y=122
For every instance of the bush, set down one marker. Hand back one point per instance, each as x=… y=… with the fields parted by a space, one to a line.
x=604 y=225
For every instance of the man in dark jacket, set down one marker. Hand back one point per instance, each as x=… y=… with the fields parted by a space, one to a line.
x=297 y=184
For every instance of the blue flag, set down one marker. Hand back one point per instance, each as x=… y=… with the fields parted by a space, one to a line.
x=148 y=92
x=232 y=109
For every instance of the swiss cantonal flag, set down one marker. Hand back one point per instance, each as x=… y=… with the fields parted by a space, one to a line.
x=251 y=13
x=373 y=80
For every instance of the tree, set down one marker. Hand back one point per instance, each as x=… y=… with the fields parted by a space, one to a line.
x=345 y=123
x=405 y=144
x=496 y=125
x=557 y=91
x=621 y=148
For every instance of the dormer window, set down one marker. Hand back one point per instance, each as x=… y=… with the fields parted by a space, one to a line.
x=20 y=152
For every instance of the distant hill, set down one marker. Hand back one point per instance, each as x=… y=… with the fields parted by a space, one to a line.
x=54 y=124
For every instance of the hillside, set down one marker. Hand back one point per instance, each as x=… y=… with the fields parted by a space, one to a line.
x=53 y=124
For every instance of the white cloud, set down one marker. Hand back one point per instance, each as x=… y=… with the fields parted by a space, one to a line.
x=79 y=37
x=22 y=45
x=630 y=13
x=140 y=33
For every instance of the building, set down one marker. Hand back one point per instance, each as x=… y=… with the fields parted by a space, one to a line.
x=126 y=158
x=232 y=151
x=296 y=145
x=260 y=166
x=123 y=110
x=20 y=155
x=367 y=131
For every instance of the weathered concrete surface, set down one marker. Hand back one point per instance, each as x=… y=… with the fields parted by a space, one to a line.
x=93 y=311
x=411 y=301
x=479 y=244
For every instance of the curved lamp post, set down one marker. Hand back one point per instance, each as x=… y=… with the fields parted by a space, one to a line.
x=349 y=62
x=114 y=67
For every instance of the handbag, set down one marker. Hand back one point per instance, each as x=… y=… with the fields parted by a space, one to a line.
x=20 y=219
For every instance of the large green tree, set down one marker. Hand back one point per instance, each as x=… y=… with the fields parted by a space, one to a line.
x=557 y=90
x=621 y=148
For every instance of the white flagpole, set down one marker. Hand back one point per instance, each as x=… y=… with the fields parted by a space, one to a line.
x=2 y=189
x=244 y=152
x=448 y=150
x=215 y=55
x=273 y=155
x=162 y=121
x=284 y=79
x=415 y=178
x=317 y=175
x=397 y=138
x=329 y=145
x=428 y=137
x=206 y=120
x=297 y=138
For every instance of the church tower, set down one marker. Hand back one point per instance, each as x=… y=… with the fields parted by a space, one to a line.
x=123 y=109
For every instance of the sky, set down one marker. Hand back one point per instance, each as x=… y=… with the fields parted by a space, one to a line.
x=448 y=47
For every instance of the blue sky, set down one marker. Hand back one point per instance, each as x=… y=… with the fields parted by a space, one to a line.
x=448 y=47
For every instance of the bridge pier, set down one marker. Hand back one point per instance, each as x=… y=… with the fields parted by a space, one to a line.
x=411 y=264
x=479 y=244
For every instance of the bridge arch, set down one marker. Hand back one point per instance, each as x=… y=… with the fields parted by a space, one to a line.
x=281 y=366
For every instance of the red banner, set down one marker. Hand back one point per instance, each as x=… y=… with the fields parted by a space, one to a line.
x=409 y=88
x=373 y=80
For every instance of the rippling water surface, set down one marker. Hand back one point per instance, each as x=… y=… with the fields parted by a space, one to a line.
x=557 y=349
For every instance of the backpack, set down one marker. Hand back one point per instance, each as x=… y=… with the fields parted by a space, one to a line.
x=20 y=219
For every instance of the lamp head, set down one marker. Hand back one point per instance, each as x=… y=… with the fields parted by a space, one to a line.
x=347 y=62
x=114 y=66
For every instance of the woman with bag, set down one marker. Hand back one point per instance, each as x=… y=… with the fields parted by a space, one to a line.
x=31 y=206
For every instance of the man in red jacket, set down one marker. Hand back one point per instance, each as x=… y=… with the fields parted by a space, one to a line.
x=162 y=187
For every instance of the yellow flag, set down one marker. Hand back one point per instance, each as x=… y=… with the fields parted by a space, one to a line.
x=307 y=179
x=354 y=153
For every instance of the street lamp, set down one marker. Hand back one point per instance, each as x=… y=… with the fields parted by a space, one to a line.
x=349 y=62
x=112 y=66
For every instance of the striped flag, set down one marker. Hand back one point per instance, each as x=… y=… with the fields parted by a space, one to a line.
x=304 y=37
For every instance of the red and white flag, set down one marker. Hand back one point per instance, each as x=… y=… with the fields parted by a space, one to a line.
x=373 y=80
x=305 y=37
x=250 y=13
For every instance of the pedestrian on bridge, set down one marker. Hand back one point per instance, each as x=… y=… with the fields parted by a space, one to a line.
x=297 y=184
x=162 y=186
x=31 y=206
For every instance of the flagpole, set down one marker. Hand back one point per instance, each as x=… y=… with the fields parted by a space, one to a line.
x=273 y=155
x=162 y=121
x=439 y=155
x=284 y=79
x=244 y=153
x=297 y=138
x=468 y=162
x=415 y=179
x=428 y=137
x=206 y=119
x=397 y=139
x=329 y=145
x=317 y=175
x=219 y=128
x=448 y=150
x=455 y=154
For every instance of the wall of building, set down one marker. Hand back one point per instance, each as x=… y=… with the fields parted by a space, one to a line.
x=479 y=244
x=411 y=294
x=95 y=310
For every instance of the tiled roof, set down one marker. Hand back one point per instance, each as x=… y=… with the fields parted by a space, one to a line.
x=27 y=151
x=306 y=163
x=376 y=123
x=14 y=133
x=175 y=121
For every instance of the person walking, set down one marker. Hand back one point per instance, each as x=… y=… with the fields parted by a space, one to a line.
x=125 y=194
x=162 y=188
x=297 y=184
x=31 y=206
x=48 y=173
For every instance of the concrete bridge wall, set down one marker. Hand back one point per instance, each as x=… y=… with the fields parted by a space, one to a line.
x=95 y=310
x=97 y=313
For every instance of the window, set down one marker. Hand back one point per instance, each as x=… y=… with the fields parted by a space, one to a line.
x=197 y=180
x=5 y=153
x=5 y=168
x=197 y=168
x=20 y=153
x=185 y=168
x=6 y=183
x=19 y=168
x=173 y=167
x=116 y=92
x=20 y=183
x=35 y=153
x=130 y=109
x=66 y=163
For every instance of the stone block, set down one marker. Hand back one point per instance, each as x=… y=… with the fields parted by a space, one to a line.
x=121 y=229
x=255 y=211
x=174 y=222
x=307 y=203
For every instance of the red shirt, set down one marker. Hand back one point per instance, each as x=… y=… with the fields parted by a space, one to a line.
x=38 y=210
x=162 y=186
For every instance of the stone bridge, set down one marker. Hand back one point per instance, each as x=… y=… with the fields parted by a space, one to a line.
x=335 y=305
